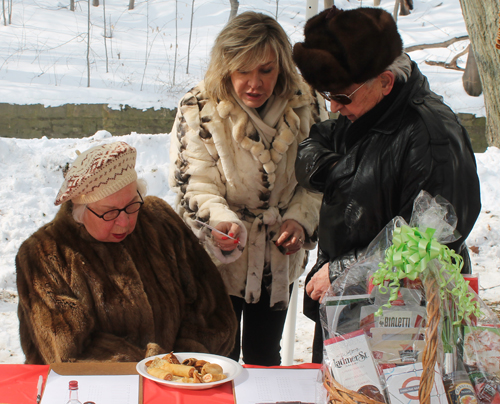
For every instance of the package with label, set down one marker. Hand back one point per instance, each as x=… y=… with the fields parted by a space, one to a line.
x=406 y=311
x=482 y=348
x=486 y=385
x=352 y=365
x=482 y=361
x=399 y=346
x=342 y=313
x=403 y=382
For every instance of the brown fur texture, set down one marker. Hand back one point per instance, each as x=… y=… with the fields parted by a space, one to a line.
x=346 y=47
x=156 y=291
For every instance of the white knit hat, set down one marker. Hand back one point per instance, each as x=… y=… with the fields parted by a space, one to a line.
x=98 y=172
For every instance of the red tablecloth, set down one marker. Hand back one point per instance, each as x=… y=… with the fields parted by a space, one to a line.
x=18 y=383
x=18 y=386
x=155 y=393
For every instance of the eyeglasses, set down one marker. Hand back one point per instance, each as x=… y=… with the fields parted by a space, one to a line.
x=340 y=98
x=113 y=214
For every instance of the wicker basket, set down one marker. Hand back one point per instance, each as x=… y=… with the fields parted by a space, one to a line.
x=339 y=395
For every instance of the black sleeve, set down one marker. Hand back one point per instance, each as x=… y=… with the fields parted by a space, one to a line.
x=315 y=157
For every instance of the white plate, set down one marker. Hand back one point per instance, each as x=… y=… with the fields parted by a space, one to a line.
x=231 y=369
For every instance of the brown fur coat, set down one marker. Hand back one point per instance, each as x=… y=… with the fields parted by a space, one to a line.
x=85 y=300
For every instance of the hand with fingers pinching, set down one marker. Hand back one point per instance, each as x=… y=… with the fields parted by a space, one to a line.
x=223 y=242
x=292 y=236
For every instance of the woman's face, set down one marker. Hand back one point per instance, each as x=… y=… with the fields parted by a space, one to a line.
x=254 y=87
x=112 y=231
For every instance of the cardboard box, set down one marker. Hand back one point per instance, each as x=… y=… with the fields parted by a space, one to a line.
x=99 y=368
x=403 y=383
x=351 y=363
x=397 y=345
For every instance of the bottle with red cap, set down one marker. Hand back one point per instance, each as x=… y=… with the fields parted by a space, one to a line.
x=73 y=393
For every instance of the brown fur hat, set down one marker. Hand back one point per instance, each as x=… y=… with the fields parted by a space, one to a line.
x=346 y=47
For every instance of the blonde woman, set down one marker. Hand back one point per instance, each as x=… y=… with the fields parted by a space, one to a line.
x=233 y=150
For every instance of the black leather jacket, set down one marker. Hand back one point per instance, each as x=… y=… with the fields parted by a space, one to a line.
x=371 y=170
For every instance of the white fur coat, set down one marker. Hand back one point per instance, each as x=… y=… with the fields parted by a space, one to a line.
x=222 y=171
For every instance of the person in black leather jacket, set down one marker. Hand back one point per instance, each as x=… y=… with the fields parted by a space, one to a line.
x=394 y=137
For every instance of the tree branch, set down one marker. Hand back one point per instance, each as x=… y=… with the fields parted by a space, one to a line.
x=453 y=63
x=443 y=64
x=443 y=44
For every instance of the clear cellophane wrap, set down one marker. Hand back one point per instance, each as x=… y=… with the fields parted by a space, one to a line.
x=405 y=310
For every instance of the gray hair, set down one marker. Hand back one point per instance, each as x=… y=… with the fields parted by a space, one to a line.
x=79 y=209
x=401 y=68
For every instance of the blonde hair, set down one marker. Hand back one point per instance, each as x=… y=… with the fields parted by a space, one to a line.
x=244 y=43
x=79 y=208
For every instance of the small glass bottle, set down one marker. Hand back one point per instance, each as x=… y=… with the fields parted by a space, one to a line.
x=456 y=381
x=73 y=393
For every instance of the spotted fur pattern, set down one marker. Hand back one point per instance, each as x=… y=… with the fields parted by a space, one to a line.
x=222 y=171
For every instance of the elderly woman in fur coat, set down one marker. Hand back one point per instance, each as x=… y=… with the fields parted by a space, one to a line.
x=117 y=276
x=233 y=149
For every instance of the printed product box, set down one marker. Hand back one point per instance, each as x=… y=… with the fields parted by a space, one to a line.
x=352 y=365
x=403 y=383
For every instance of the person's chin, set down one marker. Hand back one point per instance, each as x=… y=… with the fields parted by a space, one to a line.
x=254 y=102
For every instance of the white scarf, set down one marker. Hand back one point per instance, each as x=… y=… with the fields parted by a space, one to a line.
x=268 y=117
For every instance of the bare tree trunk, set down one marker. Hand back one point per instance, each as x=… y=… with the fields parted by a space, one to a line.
x=147 y=43
x=328 y=3
x=72 y=5
x=471 y=79
x=234 y=8
x=483 y=30
x=276 y=14
x=131 y=4
x=175 y=48
x=3 y=11
x=405 y=7
x=95 y=3
x=105 y=33
x=376 y=3
x=10 y=12
x=395 y=11
x=311 y=8
x=110 y=35
x=190 y=34
x=88 y=44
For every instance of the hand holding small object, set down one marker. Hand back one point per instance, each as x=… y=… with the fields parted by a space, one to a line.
x=225 y=235
x=214 y=229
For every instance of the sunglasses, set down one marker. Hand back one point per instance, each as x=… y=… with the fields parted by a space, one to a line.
x=340 y=98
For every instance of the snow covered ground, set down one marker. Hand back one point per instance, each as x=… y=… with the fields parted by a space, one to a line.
x=43 y=52
x=31 y=176
x=43 y=60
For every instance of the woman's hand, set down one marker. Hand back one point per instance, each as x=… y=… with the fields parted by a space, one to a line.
x=292 y=236
x=223 y=242
x=319 y=283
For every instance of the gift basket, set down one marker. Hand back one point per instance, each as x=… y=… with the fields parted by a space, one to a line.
x=403 y=325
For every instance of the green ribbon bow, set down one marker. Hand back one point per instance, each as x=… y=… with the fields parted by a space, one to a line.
x=408 y=257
